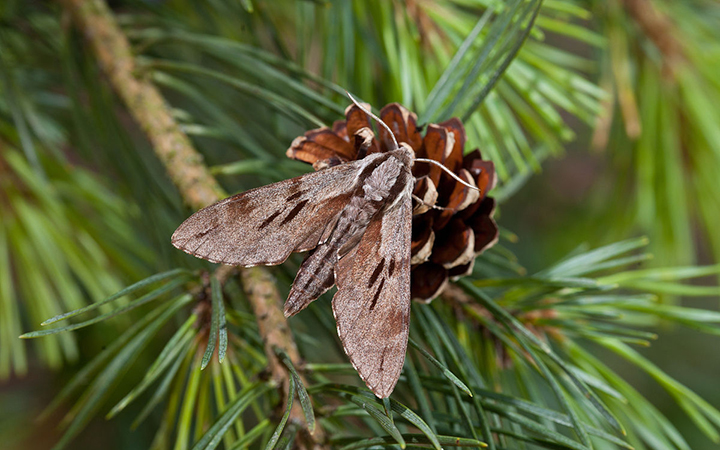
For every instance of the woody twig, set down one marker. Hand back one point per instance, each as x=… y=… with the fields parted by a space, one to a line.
x=187 y=170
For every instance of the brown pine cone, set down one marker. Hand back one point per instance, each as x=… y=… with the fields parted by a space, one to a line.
x=445 y=241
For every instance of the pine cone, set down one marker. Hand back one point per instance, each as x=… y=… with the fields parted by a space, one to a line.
x=445 y=241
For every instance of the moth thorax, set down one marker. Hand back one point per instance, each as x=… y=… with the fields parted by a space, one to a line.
x=377 y=186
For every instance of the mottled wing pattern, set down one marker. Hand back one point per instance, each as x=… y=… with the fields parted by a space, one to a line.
x=372 y=305
x=263 y=226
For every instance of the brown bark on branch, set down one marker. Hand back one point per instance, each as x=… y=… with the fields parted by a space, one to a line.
x=187 y=170
x=144 y=102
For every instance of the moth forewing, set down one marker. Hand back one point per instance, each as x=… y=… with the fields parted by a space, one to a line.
x=264 y=225
x=372 y=305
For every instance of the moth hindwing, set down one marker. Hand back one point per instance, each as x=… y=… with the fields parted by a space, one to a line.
x=356 y=218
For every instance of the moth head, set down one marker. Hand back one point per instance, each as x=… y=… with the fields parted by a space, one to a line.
x=408 y=154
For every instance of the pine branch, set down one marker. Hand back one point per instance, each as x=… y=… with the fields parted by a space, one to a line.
x=187 y=170
x=184 y=165
x=260 y=288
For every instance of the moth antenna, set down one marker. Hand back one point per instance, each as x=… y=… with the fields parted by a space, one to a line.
x=377 y=119
x=450 y=172
x=423 y=202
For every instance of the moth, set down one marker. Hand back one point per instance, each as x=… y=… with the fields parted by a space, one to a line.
x=356 y=217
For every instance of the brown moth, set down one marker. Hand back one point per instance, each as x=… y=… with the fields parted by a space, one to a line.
x=356 y=218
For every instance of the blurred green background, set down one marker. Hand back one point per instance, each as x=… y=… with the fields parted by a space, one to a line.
x=604 y=125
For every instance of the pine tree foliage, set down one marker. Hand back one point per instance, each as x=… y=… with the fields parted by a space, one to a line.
x=503 y=360
x=660 y=67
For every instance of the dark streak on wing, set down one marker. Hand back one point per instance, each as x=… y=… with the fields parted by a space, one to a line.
x=376 y=273
x=269 y=220
x=204 y=232
x=295 y=196
x=391 y=268
x=294 y=212
x=377 y=294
